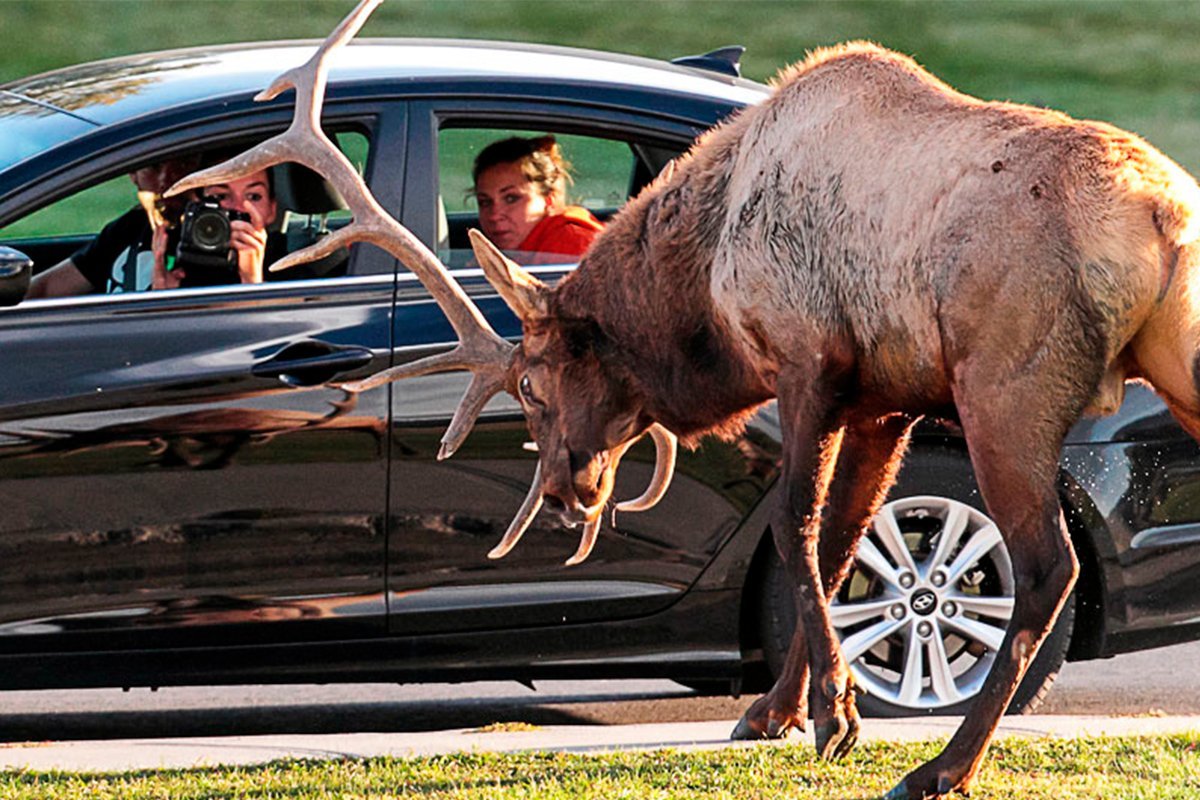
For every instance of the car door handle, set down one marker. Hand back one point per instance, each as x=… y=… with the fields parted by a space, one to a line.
x=311 y=363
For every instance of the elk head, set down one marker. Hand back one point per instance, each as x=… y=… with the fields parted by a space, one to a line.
x=582 y=414
x=581 y=409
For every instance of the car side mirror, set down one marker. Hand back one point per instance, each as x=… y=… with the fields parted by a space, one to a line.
x=16 y=269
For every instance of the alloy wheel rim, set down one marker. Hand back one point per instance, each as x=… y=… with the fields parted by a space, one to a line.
x=927 y=604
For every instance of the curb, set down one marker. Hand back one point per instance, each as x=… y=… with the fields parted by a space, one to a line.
x=141 y=754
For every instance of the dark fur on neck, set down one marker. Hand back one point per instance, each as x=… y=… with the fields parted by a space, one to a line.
x=645 y=284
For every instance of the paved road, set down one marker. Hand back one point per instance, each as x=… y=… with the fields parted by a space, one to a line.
x=1151 y=682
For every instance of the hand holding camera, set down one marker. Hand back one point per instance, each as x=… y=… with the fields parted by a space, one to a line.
x=206 y=251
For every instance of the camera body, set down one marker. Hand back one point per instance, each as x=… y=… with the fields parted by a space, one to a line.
x=204 y=250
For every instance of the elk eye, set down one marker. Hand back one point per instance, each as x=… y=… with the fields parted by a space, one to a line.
x=527 y=392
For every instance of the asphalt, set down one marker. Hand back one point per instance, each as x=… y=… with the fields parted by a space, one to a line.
x=170 y=753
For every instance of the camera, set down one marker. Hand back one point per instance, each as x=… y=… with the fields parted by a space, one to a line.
x=203 y=249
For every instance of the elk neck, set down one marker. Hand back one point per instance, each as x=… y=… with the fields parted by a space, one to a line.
x=646 y=283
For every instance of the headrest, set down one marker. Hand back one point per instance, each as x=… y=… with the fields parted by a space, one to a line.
x=299 y=189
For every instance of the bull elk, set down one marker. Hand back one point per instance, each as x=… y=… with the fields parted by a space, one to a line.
x=867 y=246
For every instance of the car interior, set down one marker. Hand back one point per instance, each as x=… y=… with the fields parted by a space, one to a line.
x=605 y=172
x=309 y=208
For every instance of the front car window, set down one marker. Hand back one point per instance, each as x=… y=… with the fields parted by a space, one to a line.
x=106 y=230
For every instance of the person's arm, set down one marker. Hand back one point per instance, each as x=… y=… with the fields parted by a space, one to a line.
x=88 y=269
x=62 y=280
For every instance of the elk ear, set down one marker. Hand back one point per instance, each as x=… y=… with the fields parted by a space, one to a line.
x=525 y=294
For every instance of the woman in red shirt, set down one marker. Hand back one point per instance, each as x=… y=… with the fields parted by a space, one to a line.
x=521 y=188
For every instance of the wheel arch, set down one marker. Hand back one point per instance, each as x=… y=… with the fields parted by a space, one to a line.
x=1088 y=632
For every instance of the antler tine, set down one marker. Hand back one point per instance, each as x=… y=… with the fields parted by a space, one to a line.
x=481 y=349
x=666 y=446
x=308 y=80
x=528 y=510
x=591 y=531
x=313 y=68
x=442 y=362
x=485 y=384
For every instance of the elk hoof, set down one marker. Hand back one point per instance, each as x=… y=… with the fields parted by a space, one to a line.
x=766 y=719
x=943 y=786
x=836 y=735
x=745 y=731
x=748 y=731
x=836 y=738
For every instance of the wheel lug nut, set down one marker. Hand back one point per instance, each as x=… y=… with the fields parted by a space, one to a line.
x=898 y=611
x=907 y=580
x=924 y=630
x=949 y=608
x=938 y=579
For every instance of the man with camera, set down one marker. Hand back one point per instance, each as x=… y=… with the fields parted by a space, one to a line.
x=219 y=238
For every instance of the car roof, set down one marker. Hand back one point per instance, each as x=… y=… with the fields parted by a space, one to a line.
x=53 y=107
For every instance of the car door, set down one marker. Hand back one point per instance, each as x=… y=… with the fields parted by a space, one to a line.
x=177 y=470
x=446 y=515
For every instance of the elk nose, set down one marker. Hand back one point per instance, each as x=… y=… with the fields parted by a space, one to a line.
x=587 y=471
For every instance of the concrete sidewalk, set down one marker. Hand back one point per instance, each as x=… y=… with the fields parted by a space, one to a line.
x=117 y=755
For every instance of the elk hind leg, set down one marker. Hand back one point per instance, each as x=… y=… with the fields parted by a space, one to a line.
x=1014 y=449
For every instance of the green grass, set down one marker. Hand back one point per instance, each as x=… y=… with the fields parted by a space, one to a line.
x=1125 y=768
x=1136 y=64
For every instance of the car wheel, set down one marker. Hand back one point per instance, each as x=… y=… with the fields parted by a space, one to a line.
x=926 y=605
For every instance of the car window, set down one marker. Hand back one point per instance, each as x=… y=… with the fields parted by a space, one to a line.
x=602 y=171
x=83 y=213
x=355 y=146
x=104 y=227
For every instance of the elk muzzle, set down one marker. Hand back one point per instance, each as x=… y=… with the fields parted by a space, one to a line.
x=540 y=492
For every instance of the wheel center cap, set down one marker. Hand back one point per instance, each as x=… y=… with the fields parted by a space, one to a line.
x=923 y=602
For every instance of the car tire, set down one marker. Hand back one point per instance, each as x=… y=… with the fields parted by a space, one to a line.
x=935 y=482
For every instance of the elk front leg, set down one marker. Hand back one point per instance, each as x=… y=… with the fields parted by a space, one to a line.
x=869 y=458
x=1014 y=449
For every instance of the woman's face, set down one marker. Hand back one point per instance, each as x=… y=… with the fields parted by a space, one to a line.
x=251 y=195
x=509 y=205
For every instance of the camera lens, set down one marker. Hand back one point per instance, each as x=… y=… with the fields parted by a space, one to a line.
x=210 y=231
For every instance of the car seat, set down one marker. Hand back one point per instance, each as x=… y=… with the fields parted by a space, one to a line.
x=306 y=200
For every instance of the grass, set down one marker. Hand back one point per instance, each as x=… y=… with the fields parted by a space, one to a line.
x=1133 y=63
x=1126 y=768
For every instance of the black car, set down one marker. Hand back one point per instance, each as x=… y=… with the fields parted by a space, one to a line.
x=190 y=499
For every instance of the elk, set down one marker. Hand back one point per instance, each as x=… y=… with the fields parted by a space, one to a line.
x=866 y=246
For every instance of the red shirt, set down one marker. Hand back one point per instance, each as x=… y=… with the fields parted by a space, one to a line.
x=567 y=233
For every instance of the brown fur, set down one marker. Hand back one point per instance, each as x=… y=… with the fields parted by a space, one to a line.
x=867 y=245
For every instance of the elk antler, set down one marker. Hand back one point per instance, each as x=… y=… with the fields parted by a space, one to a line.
x=480 y=349
x=666 y=447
